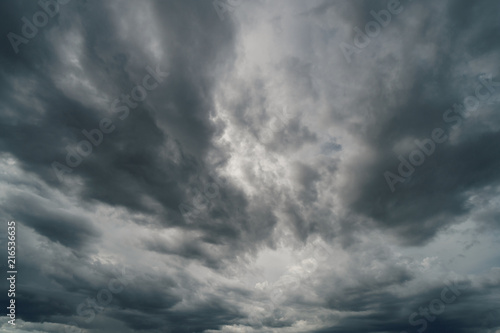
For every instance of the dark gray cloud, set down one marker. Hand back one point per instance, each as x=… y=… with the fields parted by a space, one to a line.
x=410 y=106
x=236 y=180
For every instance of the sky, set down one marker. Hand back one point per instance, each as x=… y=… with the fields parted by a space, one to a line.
x=251 y=166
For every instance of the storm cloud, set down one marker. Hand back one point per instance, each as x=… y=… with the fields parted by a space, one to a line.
x=251 y=166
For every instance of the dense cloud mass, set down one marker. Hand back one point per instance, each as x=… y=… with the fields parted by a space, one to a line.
x=251 y=166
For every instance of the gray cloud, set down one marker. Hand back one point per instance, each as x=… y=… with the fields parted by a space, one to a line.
x=246 y=190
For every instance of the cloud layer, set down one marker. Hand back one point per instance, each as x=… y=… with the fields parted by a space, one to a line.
x=227 y=166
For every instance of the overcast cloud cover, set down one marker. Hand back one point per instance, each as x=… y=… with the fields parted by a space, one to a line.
x=254 y=167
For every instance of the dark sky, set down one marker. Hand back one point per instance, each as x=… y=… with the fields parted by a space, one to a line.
x=252 y=166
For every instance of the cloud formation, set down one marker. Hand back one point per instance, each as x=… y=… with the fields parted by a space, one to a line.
x=188 y=166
